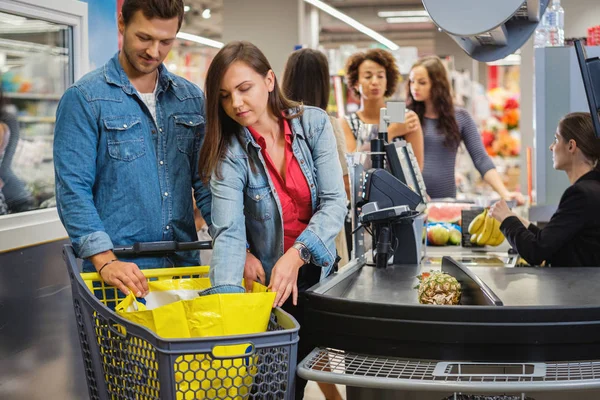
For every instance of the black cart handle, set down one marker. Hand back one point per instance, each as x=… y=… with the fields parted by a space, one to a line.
x=160 y=248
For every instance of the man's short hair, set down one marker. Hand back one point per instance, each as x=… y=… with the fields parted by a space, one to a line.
x=163 y=9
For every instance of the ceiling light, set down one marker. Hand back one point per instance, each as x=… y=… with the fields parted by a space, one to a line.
x=199 y=39
x=414 y=13
x=206 y=13
x=407 y=20
x=186 y=8
x=353 y=23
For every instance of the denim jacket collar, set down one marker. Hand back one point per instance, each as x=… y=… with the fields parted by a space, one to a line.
x=115 y=75
x=295 y=126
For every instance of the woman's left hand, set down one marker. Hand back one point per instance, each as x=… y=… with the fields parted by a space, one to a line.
x=500 y=211
x=284 y=277
x=412 y=122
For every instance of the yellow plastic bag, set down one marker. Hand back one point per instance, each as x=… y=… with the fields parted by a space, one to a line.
x=174 y=310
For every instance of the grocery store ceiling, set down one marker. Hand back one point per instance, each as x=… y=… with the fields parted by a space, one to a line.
x=333 y=31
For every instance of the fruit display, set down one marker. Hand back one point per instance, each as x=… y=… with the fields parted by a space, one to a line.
x=437 y=287
x=442 y=234
x=485 y=230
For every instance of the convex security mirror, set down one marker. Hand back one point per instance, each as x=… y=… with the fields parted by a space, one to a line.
x=487 y=30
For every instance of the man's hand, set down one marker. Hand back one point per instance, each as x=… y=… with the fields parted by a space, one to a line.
x=125 y=276
x=284 y=277
x=500 y=211
x=253 y=271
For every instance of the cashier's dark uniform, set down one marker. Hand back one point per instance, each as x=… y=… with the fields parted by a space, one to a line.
x=572 y=237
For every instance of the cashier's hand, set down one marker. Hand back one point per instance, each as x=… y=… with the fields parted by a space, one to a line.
x=125 y=276
x=500 y=211
x=517 y=196
x=284 y=277
x=253 y=271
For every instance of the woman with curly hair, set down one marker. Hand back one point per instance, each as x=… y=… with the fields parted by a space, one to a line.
x=444 y=127
x=373 y=76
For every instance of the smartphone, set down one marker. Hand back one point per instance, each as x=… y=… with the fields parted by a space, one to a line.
x=396 y=111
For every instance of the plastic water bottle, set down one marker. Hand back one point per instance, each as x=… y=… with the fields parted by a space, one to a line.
x=555 y=24
x=541 y=35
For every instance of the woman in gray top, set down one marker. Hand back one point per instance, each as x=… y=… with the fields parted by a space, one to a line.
x=444 y=127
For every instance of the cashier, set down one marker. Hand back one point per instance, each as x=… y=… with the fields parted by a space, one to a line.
x=572 y=237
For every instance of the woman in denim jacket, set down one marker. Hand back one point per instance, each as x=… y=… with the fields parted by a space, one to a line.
x=275 y=179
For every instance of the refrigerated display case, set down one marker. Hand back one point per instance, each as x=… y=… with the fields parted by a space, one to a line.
x=43 y=50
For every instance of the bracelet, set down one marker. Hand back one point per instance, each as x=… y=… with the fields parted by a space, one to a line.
x=105 y=264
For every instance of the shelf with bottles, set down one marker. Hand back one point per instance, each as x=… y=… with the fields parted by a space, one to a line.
x=36 y=117
x=36 y=67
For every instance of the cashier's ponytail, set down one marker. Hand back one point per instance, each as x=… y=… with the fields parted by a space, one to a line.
x=578 y=126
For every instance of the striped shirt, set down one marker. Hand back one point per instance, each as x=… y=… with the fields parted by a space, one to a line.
x=440 y=161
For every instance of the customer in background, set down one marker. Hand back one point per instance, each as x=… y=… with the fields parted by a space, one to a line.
x=444 y=128
x=572 y=237
x=306 y=80
x=17 y=197
x=126 y=148
x=374 y=76
x=4 y=136
x=276 y=183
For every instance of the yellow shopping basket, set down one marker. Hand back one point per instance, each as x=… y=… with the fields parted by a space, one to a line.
x=124 y=360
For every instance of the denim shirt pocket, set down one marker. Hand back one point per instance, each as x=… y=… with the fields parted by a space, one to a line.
x=186 y=126
x=257 y=203
x=125 y=137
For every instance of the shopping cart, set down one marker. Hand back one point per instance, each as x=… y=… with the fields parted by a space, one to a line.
x=124 y=360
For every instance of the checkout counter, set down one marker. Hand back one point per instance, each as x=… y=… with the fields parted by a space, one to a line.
x=538 y=337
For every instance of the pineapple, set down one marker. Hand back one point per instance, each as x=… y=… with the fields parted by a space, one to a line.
x=437 y=287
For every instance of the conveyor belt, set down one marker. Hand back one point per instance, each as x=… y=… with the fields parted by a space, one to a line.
x=548 y=315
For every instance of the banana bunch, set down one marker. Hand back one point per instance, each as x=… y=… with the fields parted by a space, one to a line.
x=485 y=230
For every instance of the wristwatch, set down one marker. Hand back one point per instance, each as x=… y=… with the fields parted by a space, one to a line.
x=304 y=252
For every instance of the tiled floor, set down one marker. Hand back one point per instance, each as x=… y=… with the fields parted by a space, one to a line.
x=313 y=392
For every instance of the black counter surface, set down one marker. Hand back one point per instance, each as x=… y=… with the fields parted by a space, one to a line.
x=515 y=286
x=548 y=315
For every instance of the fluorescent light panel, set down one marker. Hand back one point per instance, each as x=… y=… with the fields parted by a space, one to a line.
x=353 y=23
x=199 y=39
x=415 y=13
x=407 y=20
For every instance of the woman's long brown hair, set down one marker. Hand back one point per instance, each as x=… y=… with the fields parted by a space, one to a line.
x=441 y=98
x=220 y=128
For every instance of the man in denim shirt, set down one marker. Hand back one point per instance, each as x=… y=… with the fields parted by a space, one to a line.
x=126 y=149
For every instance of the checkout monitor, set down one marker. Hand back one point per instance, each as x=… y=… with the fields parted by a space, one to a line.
x=402 y=164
